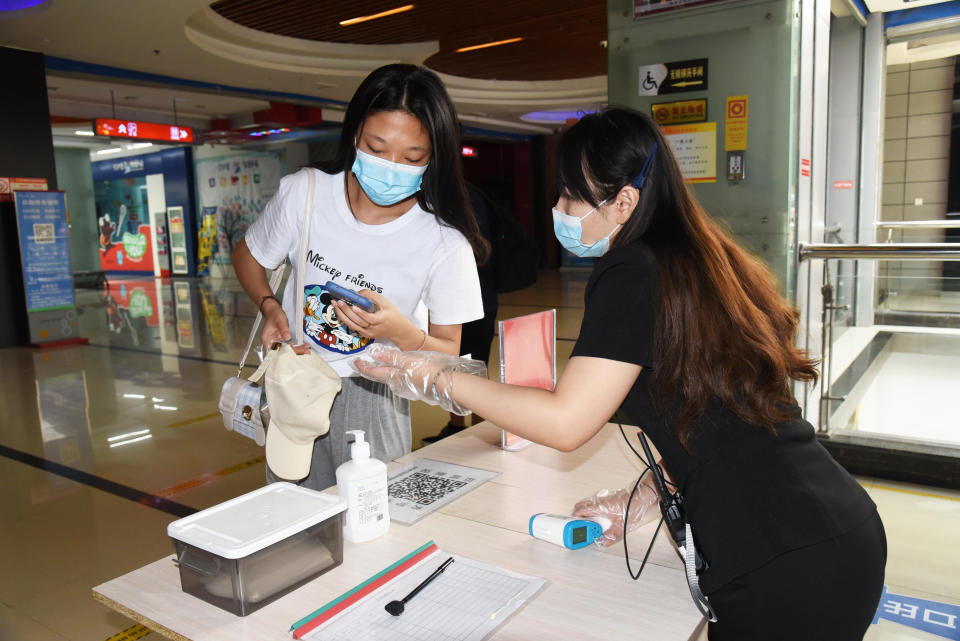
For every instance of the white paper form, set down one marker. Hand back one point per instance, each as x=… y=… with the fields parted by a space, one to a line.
x=424 y=486
x=467 y=602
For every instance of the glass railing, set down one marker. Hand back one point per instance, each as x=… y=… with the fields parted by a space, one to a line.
x=890 y=331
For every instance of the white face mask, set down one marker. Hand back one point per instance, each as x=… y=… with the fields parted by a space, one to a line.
x=569 y=231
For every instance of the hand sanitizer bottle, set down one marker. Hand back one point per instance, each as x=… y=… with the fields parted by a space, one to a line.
x=362 y=482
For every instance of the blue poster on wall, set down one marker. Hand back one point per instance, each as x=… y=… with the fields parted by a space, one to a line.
x=44 y=249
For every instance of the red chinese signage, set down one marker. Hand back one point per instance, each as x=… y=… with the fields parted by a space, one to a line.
x=142 y=130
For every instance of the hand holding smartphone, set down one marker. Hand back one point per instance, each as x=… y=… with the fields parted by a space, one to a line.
x=349 y=296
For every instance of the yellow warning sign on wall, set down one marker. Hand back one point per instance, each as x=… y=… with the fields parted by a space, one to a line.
x=735 y=129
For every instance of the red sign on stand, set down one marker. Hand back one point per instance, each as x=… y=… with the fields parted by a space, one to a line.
x=142 y=130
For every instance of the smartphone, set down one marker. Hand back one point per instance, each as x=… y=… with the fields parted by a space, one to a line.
x=350 y=296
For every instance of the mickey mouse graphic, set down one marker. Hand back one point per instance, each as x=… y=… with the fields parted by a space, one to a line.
x=321 y=323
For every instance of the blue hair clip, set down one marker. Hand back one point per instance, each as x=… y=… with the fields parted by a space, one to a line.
x=647 y=164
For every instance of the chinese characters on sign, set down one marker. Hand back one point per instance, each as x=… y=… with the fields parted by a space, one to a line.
x=932 y=617
x=672 y=77
x=142 y=130
x=669 y=113
x=646 y=7
x=695 y=147
x=44 y=249
x=735 y=130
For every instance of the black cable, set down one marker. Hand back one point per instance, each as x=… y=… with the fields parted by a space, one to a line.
x=640 y=456
x=626 y=515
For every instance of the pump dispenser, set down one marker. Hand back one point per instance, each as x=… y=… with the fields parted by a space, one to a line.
x=362 y=483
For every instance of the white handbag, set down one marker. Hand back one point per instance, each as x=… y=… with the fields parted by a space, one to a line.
x=243 y=401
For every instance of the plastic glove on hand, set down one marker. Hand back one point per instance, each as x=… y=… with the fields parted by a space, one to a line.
x=419 y=376
x=611 y=505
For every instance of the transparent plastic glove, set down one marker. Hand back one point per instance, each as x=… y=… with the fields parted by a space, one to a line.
x=419 y=376
x=610 y=505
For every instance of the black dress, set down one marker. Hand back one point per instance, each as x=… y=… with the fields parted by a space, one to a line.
x=751 y=496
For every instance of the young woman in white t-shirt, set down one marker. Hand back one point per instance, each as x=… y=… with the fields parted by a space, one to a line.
x=392 y=221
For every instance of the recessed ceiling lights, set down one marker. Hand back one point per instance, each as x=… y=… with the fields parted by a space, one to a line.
x=486 y=45
x=374 y=16
x=82 y=132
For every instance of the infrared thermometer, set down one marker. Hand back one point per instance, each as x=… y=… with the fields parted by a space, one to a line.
x=568 y=531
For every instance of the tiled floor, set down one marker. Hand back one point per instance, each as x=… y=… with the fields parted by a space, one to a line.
x=87 y=432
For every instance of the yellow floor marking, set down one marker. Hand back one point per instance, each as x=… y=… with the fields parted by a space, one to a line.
x=135 y=632
x=916 y=492
x=196 y=419
x=207 y=477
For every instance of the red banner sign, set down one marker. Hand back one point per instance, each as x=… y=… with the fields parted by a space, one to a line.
x=142 y=130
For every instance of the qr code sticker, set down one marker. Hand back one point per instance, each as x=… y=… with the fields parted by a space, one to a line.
x=43 y=233
x=424 y=489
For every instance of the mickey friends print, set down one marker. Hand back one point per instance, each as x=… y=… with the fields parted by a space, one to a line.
x=324 y=327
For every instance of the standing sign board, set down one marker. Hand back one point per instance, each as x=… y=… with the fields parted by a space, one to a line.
x=44 y=249
x=178 y=240
x=45 y=262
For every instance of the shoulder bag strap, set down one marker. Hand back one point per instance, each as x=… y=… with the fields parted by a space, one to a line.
x=302 y=262
x=277 y=277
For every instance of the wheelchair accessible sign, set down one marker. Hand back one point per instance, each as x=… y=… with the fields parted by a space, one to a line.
x=673 y=77
x=933 y=617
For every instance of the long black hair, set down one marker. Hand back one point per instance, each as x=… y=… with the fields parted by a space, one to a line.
x=419 y=92
x=723 y=330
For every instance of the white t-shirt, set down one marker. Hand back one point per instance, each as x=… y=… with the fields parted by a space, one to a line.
x=408 y=260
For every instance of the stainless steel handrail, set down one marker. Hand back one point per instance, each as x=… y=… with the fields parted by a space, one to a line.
x=882 y=251
x=918 y=224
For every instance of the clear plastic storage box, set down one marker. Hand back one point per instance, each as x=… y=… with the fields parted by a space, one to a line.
x=242 y=554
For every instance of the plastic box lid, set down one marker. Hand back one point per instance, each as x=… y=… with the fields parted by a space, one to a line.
x=251 y=522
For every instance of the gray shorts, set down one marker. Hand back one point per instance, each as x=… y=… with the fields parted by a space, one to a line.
x=360 y=405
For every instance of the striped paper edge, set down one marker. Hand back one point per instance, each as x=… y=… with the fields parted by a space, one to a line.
x=313 y=620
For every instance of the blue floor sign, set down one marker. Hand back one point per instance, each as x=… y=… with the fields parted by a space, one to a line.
x=941 y=619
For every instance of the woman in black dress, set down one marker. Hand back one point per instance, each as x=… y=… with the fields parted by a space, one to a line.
x=687 y=334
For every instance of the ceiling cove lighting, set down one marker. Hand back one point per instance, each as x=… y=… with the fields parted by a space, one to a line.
x=556 y=116
x=488 y=44
x=15 y=5
x=268 y=132
x=374 y=16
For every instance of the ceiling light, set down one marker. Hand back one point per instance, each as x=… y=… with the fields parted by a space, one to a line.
x=139 y=145
x=134 y=396
x=488 y=44
x=374 y=16
x=112 y=150
x=81 y=132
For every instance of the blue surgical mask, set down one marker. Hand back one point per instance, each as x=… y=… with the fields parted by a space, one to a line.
x=386 y=183
x=569 y=231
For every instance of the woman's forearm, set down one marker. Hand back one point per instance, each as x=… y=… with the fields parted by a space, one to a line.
x=529 y=412
x=250 y=273
x=587 y=394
